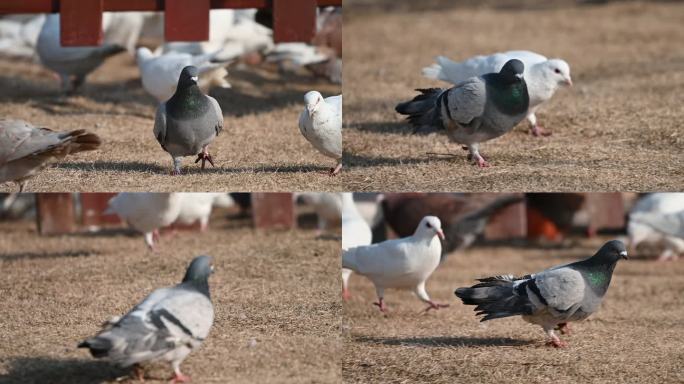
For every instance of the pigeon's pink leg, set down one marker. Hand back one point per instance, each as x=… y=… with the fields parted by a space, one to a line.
x=178 y=377
x=345 y=294
x=536 y=130
x=381 y=305
x=475 y=155
x=435 y=306
x=205 y=156
x=336 y=170
x=555 y=340
x=139 y=372
x=564 y=328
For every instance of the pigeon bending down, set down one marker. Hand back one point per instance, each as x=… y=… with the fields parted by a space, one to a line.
x=198 y=206
x=666 y=229
x=188 y=122
x=543 y=76
x=167 y=325
x=321 y=123
x=400 y=263
x=160 y=74
x=550 y=298
x=72 y=64
x=475 y=110
x=355 y=232
x=25 y=150
x=147 y=212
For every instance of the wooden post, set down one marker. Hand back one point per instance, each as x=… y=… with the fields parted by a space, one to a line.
x=294 y=20
x=186 y=20
x=606 y=211
x=273 y=210
x=55 y=213
x=80 y=22
x=508 y=223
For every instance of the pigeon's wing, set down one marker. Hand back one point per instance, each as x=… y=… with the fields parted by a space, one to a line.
x=669 y=224
x=560 y=289
x=377 y=259
x=528 y=58
x=216 y=110
x=456 y=72
x=335 y=102
x=160 y=124
x=465 y=101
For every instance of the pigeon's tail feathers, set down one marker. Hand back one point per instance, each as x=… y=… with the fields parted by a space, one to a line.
x=434 y=71
x=496 y=297
x=83 y=141
x=423 y=109
x=98 y=346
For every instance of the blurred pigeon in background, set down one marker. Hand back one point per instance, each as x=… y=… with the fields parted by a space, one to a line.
x=25 y=150
x=666 y=229
x=160 y=74
x=543 y=76
x=19 y=34
x=321 y=124
x=198 y=207
x=146 y=212
x=328 y=207
x=652 y=206
x=167 y=325
x=475 y=110
x=400 y=263
x=550 y=298
x=355 y=232
x=188 y=122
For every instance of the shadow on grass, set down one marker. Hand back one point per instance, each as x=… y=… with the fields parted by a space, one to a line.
x=445 y=341
x=47 y=255
x=30 y=370
x=105 y=166
x=189 y=169
x=388 y=127
x=355 y=160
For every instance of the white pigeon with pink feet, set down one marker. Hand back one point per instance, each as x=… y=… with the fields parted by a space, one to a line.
x=355 y=232
x=404 y=263
x=146 y=212
x=321 y=124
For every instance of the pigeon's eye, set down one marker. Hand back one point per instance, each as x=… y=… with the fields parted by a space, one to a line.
x=557 y=70
x=428 y=225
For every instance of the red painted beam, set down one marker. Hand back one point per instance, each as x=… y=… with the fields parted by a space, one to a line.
x=80 y=22
x=273 y=210
x=294 y=20
x=186 y=22
x=55 y=213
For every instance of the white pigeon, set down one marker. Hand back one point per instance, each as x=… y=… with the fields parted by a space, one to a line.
x=355 y=233
x=160 y=73
x=198 y=207
x=543 y=76
x=328 y=207
x=146 y=212
x=654 y=208
x=400 y=263
x=72 y=64
x=321 y=124
x=167 y=325
x=665 y=229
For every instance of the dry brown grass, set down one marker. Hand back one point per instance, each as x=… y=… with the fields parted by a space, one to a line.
x=278 y=288
x=619 y=128
x=634 y=338
x=260 y=149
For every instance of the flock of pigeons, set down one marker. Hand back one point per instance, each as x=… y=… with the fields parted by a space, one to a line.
x=491 y=95
x=187 y=120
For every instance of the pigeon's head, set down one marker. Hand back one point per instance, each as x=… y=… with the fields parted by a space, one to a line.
x=142 y=54
x=612 y=251
x=429 y=227
x=512 y=71
x=188 y=77
x=199 y=270
x=559 y=71
x=312 y=100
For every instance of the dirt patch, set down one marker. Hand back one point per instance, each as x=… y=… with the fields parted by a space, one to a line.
x=275 y=295
x=260 y=149
x=632 y=338
x=618 y=128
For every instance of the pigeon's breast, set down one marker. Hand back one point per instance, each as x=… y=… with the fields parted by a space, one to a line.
x=187 y=137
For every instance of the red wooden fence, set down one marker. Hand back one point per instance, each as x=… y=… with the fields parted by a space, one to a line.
x=81 y=20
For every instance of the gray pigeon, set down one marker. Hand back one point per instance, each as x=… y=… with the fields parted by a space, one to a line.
x=25 y=150
x=666 y=229
x=72 y=64
x=549 y=298
x=167 y=325
x=188 y=122
x=476 y=110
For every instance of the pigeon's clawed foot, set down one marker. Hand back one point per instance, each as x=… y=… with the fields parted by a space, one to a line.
x=138 y=372
x=179 y=378
x=557 y=343
x=435 y=306
x=345 y=294
x=564 y=328
x=539 y=131
x=381 y=305
x=334 y=171
x=480 y=161
x=205 y=156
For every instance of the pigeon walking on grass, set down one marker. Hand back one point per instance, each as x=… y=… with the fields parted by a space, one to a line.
x=550 y=298
x=543 y=76
x=188 y=122
x=475 y=110
x=25 y=150
x=321 y=124
x=355 y=232
x=400 y=263
x=167 y=325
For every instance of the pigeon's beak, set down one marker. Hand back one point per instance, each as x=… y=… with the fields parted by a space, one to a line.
x=624 y=255
x=519 y=76
x=568 y=81
x=312 y=108
x=194 y=78
x=440 y=233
